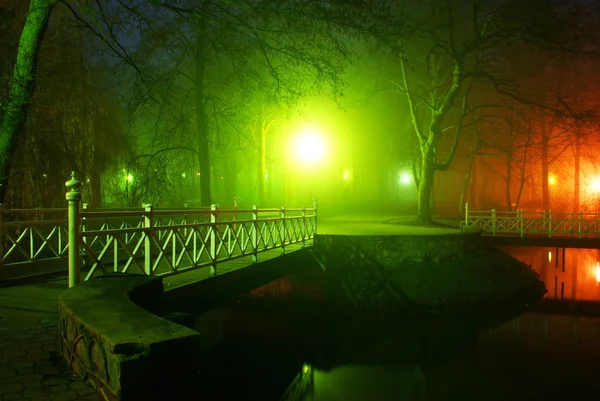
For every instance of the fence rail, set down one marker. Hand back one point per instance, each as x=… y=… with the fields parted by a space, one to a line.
x=147 y=240
x=532 y=223
x=171 y=242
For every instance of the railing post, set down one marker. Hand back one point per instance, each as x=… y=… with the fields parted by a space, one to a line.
x=73 y=196
x=283 y=229
x=493 y=221
x=543 y=226
x=213 y=238
x=579 y=225
x=550 y=223
x=185 y=221
x=521 y=225
x=149 y=226
x=466 y=214
x=571 y=225
x=236 y=205
x=85 y=207
x=303 y=227
x=315 y=207
x=254 y=234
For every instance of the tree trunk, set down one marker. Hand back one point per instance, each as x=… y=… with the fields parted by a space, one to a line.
x=201 y=123
x=474 y=193
x=96 y=189
x=262 y=167
x=425 y=188
x=523 y=172
x=577 y=189
x=508 y=182
x=14 y=113
x=465 y=186
x=545 y=176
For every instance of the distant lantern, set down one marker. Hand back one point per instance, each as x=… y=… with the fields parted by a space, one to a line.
x=549 y=256
x=551 y=180
x=405 y=178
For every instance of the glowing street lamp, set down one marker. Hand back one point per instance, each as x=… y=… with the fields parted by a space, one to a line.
x=309 y=146
x=551 y=179
x=404 y=178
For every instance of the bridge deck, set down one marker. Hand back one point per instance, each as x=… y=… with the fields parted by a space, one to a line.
x=41 y=293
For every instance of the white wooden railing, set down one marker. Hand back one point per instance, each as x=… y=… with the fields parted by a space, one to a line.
x=147 y=240
x=41 y=235
x=533 y=223
x=171 y=242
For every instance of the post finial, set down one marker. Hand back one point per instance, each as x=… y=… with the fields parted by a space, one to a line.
x=73 y=184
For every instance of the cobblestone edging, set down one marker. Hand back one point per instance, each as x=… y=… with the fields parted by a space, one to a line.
x=31 y=369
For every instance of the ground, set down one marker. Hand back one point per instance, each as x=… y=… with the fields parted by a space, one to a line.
x=385 y=225
x=30 y=368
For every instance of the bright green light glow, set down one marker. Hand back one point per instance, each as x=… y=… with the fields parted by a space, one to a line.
x=405 y=178
x=182 y=175
x=309 y=146
x=129 y=178
x=346 y=175
x=266 y=175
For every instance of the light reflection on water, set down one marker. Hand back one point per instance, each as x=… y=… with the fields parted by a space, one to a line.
x=533 y=357
x=536 y=356
x=364 y=382
x=569 y=274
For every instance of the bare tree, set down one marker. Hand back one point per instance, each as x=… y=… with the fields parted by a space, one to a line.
x=445 y=45
x=194 y=81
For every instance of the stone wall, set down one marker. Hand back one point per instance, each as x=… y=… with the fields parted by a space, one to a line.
x=110 y=334
x=415 y=274
x=392 y=250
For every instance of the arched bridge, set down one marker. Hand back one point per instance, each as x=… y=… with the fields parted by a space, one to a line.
x=146 y=240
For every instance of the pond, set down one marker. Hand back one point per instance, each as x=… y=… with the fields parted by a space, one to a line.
x=284 y=337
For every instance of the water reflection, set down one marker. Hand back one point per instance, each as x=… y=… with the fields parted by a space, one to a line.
x=280 y=342
x=533 y=357
x=364 y=382
x=569 y=274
